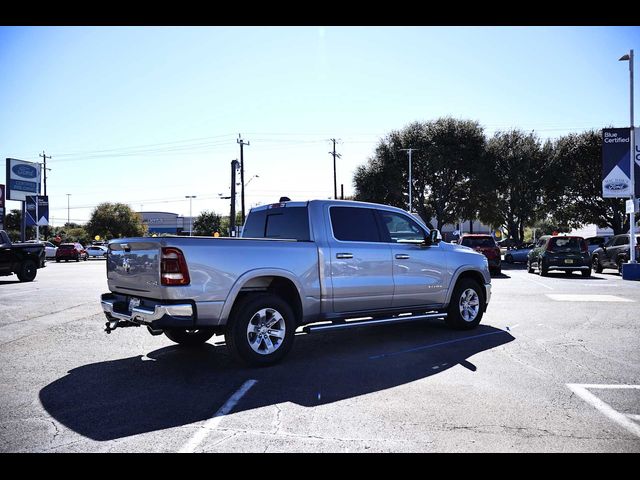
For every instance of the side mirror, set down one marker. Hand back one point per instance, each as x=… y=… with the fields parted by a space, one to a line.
x=434 y=237
x=601 y=245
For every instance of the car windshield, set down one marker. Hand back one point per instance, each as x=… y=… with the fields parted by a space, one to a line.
x=566 y=244
x=474 y=242
x=66 y=247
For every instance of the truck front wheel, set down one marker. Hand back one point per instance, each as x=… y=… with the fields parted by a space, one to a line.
x=189 y=338
x=28 y=271
x=466 y=306
x=260 y=330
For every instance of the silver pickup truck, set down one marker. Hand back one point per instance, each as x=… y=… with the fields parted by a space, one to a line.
x=318 y=265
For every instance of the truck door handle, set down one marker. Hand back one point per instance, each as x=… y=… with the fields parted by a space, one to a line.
x=344 y=255
x=402 y=256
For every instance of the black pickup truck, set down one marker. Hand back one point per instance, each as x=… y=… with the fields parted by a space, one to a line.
x=23 y=259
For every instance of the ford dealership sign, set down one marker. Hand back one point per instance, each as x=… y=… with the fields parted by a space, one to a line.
x=23 y=179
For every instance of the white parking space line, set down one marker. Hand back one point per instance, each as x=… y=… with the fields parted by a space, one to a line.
x=620 y=418
x=586 y=298
x=214 y=421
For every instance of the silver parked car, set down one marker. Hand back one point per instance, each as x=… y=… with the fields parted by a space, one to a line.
x=49 y=248
x=97 y=251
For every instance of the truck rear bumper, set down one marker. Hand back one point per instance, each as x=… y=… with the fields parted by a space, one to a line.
x=157 y=316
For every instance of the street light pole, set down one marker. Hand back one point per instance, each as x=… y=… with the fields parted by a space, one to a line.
x=68 y=217
x=632 y=216
x=190 y=197
x=409 y=150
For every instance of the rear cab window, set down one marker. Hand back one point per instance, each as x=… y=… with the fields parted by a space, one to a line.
x=285 y=222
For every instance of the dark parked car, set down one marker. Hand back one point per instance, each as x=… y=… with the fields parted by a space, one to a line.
x=613 y=253
x=23 y=259
x=71 y=251
x=486 y=245
x=596 y=242
x=560 y=252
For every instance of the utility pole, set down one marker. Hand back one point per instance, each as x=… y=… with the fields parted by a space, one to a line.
x=44 y=158
x=242 y=143
x=335 y=183
x=232 y=217
x=409 y=150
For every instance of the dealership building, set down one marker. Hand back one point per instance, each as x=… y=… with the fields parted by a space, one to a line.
x=166 y=222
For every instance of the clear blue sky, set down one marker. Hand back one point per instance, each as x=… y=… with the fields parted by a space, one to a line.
x=147 y=115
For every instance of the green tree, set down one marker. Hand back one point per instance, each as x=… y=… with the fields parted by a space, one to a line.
x=207 y=223
x=576 y=195
x=113 y=220
x=447 y=155
x=515 y=178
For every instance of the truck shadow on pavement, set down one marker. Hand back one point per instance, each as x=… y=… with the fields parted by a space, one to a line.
x=174 y=386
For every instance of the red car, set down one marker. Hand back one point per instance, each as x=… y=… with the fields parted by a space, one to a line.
x=486 y=245
x=71 y=251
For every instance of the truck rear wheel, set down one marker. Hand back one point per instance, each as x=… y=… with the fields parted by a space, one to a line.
x=188 y=337
x=466 y=305
x=260 y=330
x=28 y=271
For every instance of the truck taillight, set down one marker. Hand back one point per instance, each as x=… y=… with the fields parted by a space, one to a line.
x=173 y=268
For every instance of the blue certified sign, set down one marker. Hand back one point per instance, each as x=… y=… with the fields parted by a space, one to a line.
x=25 y=171
x=23 y=178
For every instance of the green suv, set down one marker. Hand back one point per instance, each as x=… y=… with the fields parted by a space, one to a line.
x=560 y=252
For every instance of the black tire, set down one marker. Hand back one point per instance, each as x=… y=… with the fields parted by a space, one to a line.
x=595 y=264
x=28 y=271
x=542 y=270
x=249 y=342
x=189 y=338
x=508 y=258
x=586 y=273
x=455 y=312
x=57 y=260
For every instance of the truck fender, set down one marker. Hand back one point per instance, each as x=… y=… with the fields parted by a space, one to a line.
x=458 y=273
x=246 y=277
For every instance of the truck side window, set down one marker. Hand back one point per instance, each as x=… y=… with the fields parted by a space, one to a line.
x=401 y=229
x=353 y=224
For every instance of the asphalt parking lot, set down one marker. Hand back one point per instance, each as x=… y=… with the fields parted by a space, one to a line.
x=554 y=367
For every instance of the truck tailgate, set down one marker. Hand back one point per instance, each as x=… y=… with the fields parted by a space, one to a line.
x=134 y=267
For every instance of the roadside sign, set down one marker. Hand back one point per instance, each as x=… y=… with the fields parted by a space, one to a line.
x=23 y=179
x=37 y=215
